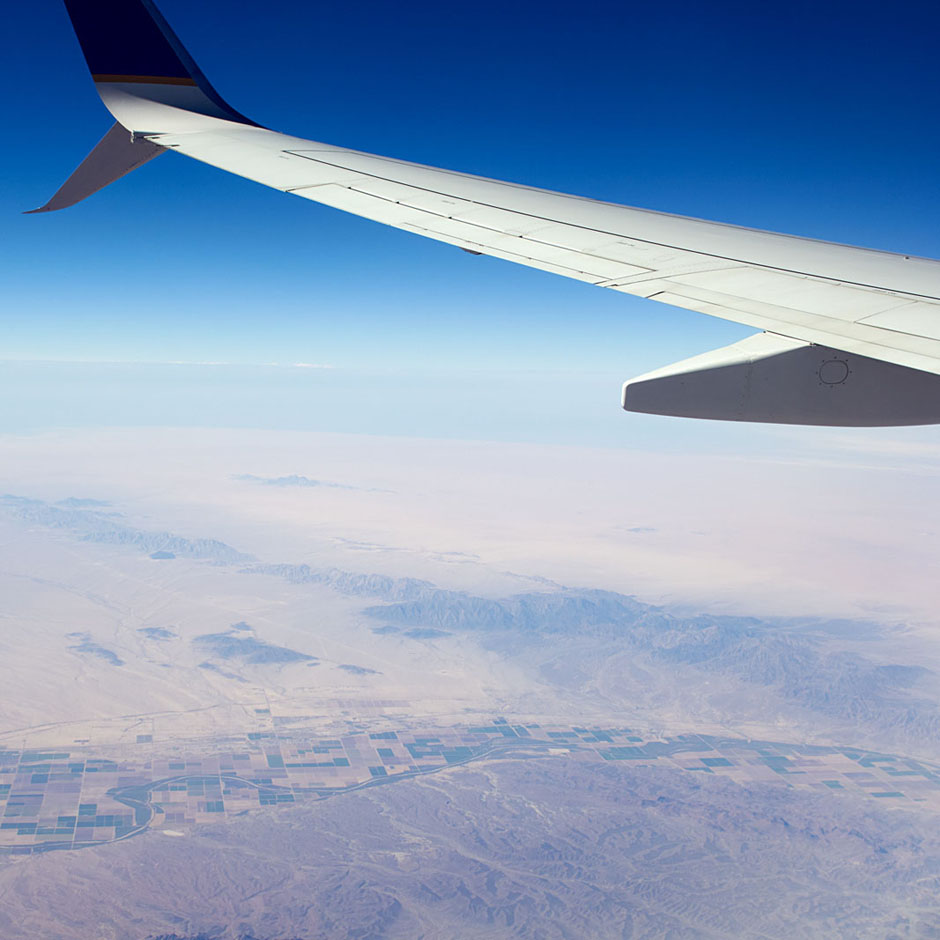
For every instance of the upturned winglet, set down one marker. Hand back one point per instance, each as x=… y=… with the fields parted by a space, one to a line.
x=146 y=79
x=116 y=154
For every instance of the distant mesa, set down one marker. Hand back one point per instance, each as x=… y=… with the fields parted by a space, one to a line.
x=241 y=625
x=248 y=650
x=384 y=631
x=157 y=633
x=211 y=667
x=162 y=556
x=425 y=633
x=296 y=479
x=359 y=670
x=91 y=648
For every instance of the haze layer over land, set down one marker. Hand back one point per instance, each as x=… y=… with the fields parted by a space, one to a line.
x=832 y=523
x=266 y=656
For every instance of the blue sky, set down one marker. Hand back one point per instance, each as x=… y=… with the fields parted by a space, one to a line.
x=799 y=117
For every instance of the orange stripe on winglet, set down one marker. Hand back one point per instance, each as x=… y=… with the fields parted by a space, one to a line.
x=144 y=79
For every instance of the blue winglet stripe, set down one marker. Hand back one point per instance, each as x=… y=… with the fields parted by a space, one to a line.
x=130 y=40
x=121 y=37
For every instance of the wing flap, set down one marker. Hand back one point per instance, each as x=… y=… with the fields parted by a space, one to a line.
x=795 y=292
x=914 y=352
x=659 y=234
x=915 y=319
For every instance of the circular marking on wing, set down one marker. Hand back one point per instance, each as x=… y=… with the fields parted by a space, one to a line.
x=833 y=372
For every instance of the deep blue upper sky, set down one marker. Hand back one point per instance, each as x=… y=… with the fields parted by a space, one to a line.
x=817 y=119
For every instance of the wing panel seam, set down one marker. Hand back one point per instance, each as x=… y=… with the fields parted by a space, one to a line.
x=588 y=228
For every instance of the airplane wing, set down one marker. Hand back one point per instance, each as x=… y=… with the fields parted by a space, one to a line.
x=851 y=336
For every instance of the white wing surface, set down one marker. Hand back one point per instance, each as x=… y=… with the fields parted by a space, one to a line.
x=829 y=307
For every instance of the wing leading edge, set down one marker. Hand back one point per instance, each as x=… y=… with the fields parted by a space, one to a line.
x=853 y=304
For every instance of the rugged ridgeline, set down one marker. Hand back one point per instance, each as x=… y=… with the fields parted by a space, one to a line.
x=353 y=585
x=798 y=665
x=95 y=524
